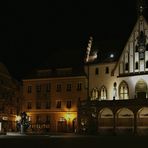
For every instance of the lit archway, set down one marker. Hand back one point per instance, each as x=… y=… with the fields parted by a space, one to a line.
x=103 y=93
x=142 y=120
x=124 y=120
x=105 y=120
x=141 y=89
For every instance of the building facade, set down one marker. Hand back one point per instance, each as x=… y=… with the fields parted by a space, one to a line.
x=9 y=101
x=50 y=98
x=118 y=89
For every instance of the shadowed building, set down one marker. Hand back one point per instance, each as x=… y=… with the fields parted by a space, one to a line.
x=118 y=87
x=50 y=98
x=9 y=100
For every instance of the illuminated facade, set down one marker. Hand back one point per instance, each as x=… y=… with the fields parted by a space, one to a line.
x=118 y=89
x=51 y=97
x=9 y=100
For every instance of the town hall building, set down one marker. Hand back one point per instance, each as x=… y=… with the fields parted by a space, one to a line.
x=118 y=88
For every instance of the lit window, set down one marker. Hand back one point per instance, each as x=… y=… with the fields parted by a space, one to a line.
x=103 y=93
x=94 y=94
x=123 y=90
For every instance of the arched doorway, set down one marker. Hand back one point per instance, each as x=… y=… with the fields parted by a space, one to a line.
x=62 y=125
x=124 y=121
x=141 y=89
x=142 y=121
x=105 y=120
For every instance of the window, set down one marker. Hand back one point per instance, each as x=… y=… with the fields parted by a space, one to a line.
x=97 y=71
x=126 y=66
x=38 y=119
x=47 y=105
x=68 y=104
x=68 y=87
x=58 y=105
x=146 y=64
x=79 y=86
x=123 y=90
x=47 y=119
x=38 y=88
x=107 y=70
x=94 y=94
x=29 y=105
x=58 y=87
x=29 y=89
x=38 y=105
x=48 y=87
x=136 y=65
x=103 y=93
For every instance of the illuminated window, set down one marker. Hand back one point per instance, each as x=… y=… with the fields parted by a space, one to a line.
x=68 y=104
x=94 y=94
x=58 y=105
x=123 y=90
x=29 y=89
x=68 y=87
x=103 y=93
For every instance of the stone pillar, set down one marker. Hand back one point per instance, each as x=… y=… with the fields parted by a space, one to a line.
x=114 y=123
x=135 y=123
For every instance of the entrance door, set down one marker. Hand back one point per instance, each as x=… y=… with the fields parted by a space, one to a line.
x=62 y=125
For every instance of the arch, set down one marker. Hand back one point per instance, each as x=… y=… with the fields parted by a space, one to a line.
x=124 y=120
x=141 y=89
x=123 y=90
x=105 y=120
x=62 y=125
x=142 y=120
x=105 y=117
x=103 y=93
x=94 y=94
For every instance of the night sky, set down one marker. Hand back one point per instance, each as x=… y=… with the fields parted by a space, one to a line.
x=40 y=33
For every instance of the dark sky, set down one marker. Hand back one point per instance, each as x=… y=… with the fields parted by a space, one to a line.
x=45 y=32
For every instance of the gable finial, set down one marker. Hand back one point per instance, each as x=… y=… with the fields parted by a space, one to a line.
x=140 y=7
